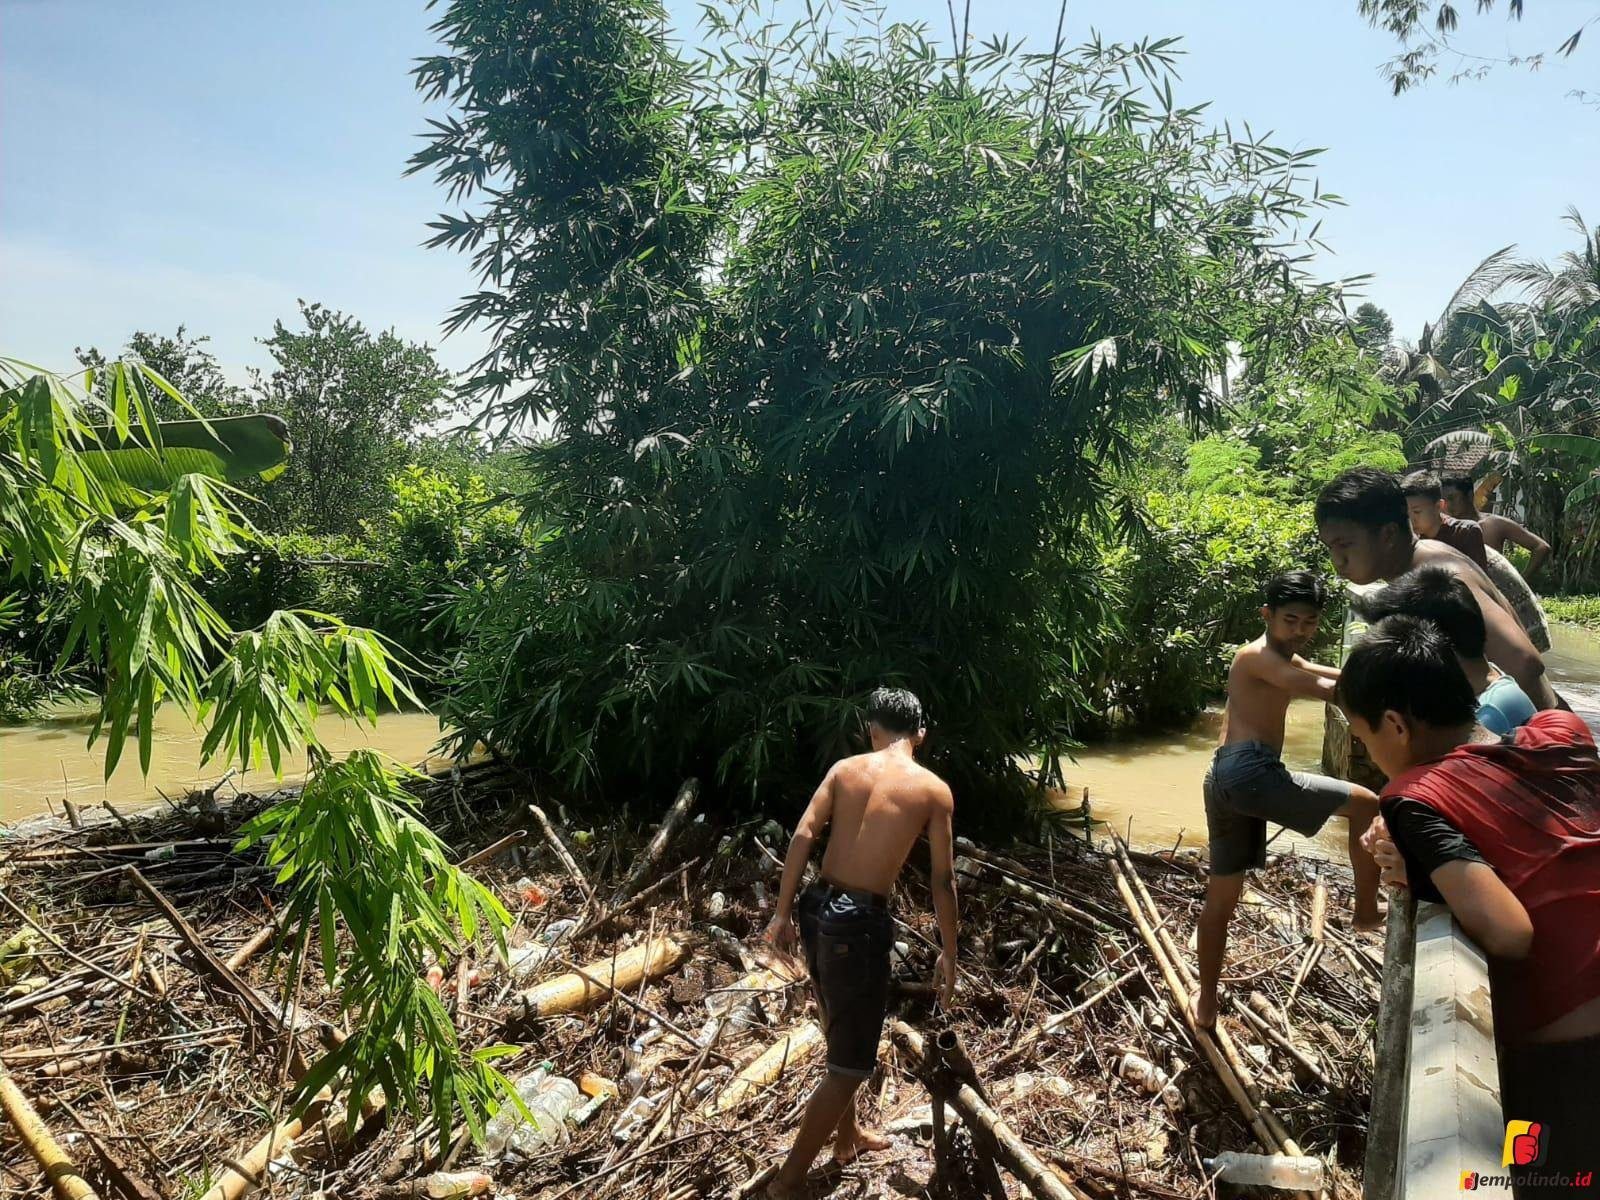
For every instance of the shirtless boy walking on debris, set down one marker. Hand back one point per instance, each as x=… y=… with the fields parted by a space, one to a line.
x=875 y=807
x=1248 y=785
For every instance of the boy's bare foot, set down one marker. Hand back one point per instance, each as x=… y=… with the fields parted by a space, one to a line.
x=1367 y=920
x=1205 y=1011
x=848 y=1147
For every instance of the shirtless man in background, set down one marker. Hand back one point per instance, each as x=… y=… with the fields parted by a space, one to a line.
x=1497 y=530
x=875 y=807
x=1362 y=520
x=1248 y=784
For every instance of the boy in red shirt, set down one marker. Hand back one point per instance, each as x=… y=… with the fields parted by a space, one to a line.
x=1506 y=831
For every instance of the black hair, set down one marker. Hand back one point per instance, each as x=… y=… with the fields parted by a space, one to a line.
x=895 y=710
x=1421 y=483
x=1296 y=587
x=1369 y=497
x=1407 y=665
x=1457 y=481
x=1435 y=594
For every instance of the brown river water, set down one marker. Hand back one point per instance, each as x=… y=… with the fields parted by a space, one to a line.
x=1149 y=785
x=1148 y=788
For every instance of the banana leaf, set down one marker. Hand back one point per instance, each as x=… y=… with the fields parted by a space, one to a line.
x=226 y=448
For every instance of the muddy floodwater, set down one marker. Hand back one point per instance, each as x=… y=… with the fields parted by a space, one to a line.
x=1151 y=785
x=45 y=760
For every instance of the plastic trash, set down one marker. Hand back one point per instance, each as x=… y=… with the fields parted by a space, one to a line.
x=1296 y=1174
x=558 y=931
x=161 y=853
x=523 y=961
x=640 y=1109
x=531 y=892
x=550 y=1098
x=717 y=905
x=1143 y=1073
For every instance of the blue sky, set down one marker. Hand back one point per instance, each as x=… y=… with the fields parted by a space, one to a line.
x=208 y=163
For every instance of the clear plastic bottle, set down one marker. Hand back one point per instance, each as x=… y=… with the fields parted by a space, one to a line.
x=1291 y=1173
x=550 y=1098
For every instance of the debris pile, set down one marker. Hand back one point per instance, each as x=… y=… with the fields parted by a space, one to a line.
x=666 y=1051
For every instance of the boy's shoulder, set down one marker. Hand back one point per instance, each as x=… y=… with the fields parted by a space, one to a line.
x=1251 y=650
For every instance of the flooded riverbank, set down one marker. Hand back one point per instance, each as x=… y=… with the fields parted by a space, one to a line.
x=1147 y=788
x=43 y=761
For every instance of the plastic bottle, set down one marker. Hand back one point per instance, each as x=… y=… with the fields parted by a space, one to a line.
x=550 y=1098
x=1143 y=1073
x=1302 y=1174
x=640 y=1109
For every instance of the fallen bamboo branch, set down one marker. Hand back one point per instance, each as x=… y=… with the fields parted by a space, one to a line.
x=62 y=1174
x=115 y=1170
x=492 y=850
x=254 y=1004
x=588 y=985
x=973 y=869
x=77 y=958
x=1180 y=998
x=791 y=1048
x=561 y=851
x=665 y=832
x=1013 y=1153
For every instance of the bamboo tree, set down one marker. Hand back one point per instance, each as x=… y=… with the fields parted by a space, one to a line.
x=362 y=872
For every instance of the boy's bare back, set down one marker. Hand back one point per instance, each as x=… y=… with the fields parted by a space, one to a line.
x=880 y=804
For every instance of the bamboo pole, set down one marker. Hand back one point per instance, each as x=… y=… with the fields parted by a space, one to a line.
x=588 y=985
x=793 y=1047
x=1010 y=1149
x=60 y=1170
x=561 y=851
x=973 y=868
x=665 y=832
x=1180 y=997
x=1391 y=1043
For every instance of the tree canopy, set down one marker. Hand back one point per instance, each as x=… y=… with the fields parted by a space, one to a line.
x=837 y=336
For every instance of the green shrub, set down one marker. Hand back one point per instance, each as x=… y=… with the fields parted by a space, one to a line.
x=1220 y=465
x=1580 y=610
x=290 y=571
x=1188 y=595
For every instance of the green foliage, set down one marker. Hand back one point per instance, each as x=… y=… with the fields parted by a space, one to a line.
x=125 y=566
x=838 y=339
x=1427 y=28
x=352 y=400
x=1580 y=610
x=1221 y=465
x=1298 y=421
x=1372 y=330
x=354 y=856
x=1188 y=595
x=439 y=538
x=185 y=363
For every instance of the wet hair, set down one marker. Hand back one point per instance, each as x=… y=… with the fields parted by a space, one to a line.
x=1365 y=495
x=1435 y=594
x=895 y=710
x=1457 y=481
x=1296 y=587
x=1421 y=483
x=1407 y=665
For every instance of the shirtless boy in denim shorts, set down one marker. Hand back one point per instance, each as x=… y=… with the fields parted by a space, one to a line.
x=1248 y=785
x=873 y=807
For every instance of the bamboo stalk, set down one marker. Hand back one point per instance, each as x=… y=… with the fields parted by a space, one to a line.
x=1010 y=1149
x=586 y=986
x=791 y=1048
x=561 y=851
x=688 y=793
x=1180 y=998
x=1319 y=908
x=36 y=1138
x=972 y=869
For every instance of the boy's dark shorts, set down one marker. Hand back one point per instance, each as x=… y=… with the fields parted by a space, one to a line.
x=848 y=936
x=1246 y=787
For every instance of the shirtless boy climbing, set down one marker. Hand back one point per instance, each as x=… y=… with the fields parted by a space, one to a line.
x=1248 y=785
x=875 y=807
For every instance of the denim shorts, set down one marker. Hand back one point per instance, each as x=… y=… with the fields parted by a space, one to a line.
x=848 y=936
x=1246 y=787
